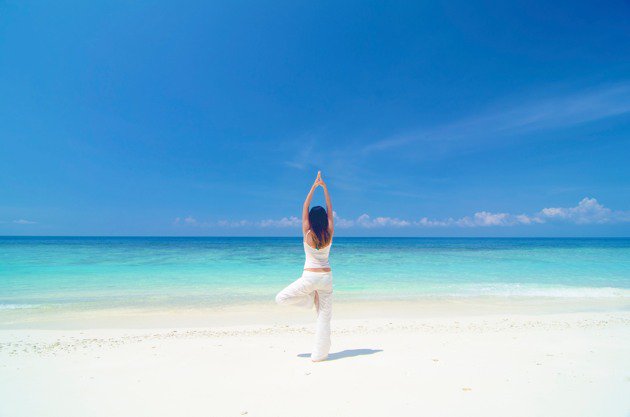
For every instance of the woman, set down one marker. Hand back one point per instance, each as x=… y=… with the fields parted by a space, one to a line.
x=315 y=286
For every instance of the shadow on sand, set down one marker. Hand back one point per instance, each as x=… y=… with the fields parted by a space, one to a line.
x=348 y=353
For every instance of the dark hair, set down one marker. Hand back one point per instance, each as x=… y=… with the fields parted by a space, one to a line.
x=318 y=219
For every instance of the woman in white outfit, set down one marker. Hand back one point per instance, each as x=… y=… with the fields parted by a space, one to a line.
x=314 y=287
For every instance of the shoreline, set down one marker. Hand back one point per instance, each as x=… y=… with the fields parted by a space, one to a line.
x=266 y=313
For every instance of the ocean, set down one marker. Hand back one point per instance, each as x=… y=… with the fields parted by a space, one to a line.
x=167 y=272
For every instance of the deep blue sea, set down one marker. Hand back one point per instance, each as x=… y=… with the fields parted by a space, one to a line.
x=104 y=272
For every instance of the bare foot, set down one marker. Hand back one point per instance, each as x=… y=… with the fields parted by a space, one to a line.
x=316 y=301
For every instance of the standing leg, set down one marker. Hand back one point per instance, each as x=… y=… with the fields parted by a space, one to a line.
x=299 y=293
x=322 y=332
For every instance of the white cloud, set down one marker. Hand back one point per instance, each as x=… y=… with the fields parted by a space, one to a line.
x=479 y=219
x=486 y=218
x=23 y=221
x=341 y=222
x=525 y=219
x=588 y=211
x=365 y=220
x=426 y=222
x=237 y=223
x=188 y=220
x=283 y=222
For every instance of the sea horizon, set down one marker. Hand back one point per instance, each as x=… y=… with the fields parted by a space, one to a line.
x=300 y=237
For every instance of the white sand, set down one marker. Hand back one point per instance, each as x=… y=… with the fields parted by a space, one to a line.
x=434 y=359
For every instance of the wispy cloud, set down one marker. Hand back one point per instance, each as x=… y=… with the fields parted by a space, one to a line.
x=296 y=165
x=303 y=158
x=238 y=223
x=351 y=164
x=368 y=222
x=24 y=221
x=189 y=221
x=283 y=222
x=479 y=219
x=587 y=211
x=341 y=222
x=542 y=114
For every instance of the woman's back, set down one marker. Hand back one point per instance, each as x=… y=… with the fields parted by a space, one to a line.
x=316 y=258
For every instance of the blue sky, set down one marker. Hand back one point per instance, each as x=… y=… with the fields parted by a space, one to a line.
x=426 y=118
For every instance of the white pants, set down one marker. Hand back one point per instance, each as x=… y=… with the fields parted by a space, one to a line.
x=302 y=293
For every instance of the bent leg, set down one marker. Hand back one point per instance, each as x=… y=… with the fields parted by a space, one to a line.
x=300 y=293
x=322 y=332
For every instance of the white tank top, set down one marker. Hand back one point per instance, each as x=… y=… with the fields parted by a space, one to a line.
x=316 y=258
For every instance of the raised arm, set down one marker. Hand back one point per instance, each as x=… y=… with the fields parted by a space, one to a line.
x=307 y=203
x=329 y=208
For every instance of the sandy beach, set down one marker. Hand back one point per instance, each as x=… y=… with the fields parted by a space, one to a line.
x=447 y=358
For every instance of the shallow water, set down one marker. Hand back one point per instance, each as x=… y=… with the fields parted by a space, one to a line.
x=104 y=272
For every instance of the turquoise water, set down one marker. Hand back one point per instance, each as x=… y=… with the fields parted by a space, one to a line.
x=102 y=272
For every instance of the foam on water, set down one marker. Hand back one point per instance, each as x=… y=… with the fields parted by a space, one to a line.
x=520 y=290
x=17 y=306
